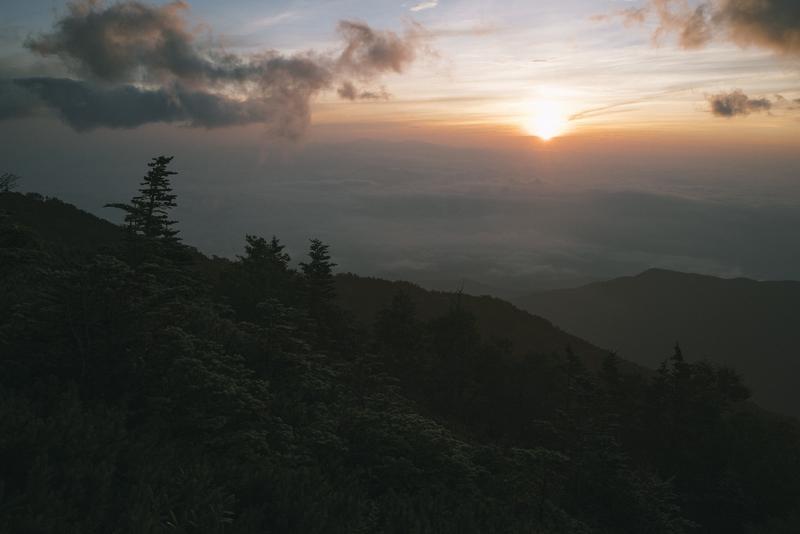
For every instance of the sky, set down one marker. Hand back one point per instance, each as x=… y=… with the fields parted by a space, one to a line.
x=516 y=144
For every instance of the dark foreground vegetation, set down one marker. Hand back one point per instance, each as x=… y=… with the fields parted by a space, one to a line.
x=145 y=388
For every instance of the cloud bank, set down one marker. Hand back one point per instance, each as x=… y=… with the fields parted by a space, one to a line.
x=137 y=63
x=769 y=24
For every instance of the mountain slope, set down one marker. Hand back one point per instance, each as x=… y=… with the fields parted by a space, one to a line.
x=496 y=318
x=60 y=223
x=749 y=325
x=250 y=403
x=66 y=225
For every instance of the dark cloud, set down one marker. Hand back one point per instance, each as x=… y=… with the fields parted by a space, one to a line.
x=349 y=91
x=771 y=24
x=113 y=43
x=737 y=103
x=146 y=59
x=85 y=106
x=16 y=101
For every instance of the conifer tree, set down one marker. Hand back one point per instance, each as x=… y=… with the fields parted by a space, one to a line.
x=318 y=274
x=147 y=216
x=318 y=284
x=259 y=251
x=260 y=283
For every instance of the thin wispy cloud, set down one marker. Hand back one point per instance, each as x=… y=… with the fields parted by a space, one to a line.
x=271 y=21
x=422 y=6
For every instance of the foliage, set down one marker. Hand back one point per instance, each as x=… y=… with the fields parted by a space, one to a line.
x=149 y=229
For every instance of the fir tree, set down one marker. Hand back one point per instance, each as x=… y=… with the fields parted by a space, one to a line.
x=318 y=293
x=259 y=251
x=260 y=284
x=147 y=216
x=318 y=273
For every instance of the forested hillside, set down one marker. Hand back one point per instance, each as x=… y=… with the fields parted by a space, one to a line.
x=142 y=392
x=60 y=224
x=494 y=318
x=745 y=324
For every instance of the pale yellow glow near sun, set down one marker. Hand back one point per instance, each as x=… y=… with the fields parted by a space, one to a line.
x=547 y=120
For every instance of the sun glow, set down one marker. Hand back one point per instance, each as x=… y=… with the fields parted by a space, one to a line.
x=547 y=120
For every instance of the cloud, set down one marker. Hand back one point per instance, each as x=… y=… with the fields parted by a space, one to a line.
x=112 y=43
x=737 y=103
x=430 y=4
x=85 y=106
x=478 y=29
x=349 y=91
x=368 y=52
x=269 y=22
x=15 y=101
x=770 y=24
x=696 y=31
x=773 y=24
x=146 y=59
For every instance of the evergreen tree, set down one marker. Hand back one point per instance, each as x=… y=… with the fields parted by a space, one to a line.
x=258 y=250
x=319 y=271
x=260 y=284
x=147 y=216
x=319 y=284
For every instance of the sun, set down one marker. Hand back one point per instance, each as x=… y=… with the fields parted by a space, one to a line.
x=546 y=120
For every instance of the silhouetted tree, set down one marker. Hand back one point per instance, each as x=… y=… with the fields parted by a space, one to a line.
x=259 y=250
x=147 y=216
x=8 y=182
x=260 y=284
x=318 y=284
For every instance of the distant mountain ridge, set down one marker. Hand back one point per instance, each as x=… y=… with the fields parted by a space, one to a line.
x=496 y=318
x=750 y=325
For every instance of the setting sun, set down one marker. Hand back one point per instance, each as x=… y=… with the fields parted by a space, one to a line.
x=547 y=120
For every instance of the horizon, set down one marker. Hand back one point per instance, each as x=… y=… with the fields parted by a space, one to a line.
x=506 y=143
